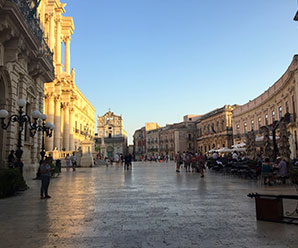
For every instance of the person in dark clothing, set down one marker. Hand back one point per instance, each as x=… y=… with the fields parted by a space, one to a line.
x=11 y=159
x=127 y=160
x=45 y=174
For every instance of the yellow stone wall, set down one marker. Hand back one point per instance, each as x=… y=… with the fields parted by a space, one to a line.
x=65 y=105
x=274 y=103
x=221 y=133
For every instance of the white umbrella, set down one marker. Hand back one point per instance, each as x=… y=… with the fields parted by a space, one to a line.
x=239 y=145
x=224 y=149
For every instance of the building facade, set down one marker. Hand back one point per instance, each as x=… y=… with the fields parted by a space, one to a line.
x=139 y=143
x=272 y=105
x=111 y=136
x=214 y=129
x=65 y=105
x=140 y=139
x=152 y=142
x=178 y=137
x=26 y=63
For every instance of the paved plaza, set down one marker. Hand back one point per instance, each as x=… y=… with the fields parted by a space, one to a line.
x=148 y=206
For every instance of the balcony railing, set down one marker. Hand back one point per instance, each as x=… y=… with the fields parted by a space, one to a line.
x=34 y=24
x=32 y=21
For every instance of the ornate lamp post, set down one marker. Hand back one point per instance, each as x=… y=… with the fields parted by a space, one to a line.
x=22 y=119
x=46 y=129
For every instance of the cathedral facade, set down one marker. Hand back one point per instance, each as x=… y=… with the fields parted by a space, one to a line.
x=111 y=137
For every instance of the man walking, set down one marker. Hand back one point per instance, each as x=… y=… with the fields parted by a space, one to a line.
x=127 y=159
x=45 y=175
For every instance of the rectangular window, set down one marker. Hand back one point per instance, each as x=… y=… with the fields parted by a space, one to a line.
x=293 y=102
x=280 y=112
x=273 y=116
x=266 y=119
x=259 y=122
x=245 y=127
x=252 y=125
x=287 y=106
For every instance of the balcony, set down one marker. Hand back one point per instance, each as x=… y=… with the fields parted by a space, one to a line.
x=34 y=24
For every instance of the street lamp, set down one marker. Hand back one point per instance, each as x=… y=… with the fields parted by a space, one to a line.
x=46 y=128
x=23 y=119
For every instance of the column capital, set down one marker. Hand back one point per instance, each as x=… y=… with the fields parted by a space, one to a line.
x=66 y=38
x=58 y=18
x=50 y=14
x=65 y=105
x=49 y=95
x=57 y=98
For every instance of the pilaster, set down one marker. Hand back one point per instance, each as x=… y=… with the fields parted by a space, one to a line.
x=57 y=123
x=66 y=127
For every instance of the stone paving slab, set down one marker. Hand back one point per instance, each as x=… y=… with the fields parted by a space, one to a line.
x=149 y=206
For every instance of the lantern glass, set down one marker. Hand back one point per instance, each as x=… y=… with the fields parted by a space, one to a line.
x=3 y=113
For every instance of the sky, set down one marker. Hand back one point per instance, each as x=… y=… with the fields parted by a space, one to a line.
x=158 y=60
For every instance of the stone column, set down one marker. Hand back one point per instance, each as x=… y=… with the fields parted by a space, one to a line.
x=57 y=123
x=66 y=127
x=50 y=118
x=58 y=46
x=51 y=31
x=71 y=138
x=62 y=126
x=67 y=55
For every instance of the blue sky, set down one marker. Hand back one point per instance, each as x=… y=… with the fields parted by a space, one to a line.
x=158 y=60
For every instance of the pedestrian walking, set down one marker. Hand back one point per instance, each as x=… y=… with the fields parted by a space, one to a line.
x=127 y=161
x=178 y=160
x=68 y=162
x=201 y=164
x=74 y=161
x=45 y=175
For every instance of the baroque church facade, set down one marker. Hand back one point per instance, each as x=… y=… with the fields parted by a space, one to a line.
x=111 y=136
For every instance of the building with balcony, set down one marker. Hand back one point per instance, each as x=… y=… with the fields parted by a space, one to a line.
x=214 y=129
x=270 y=106
x=140 y=139
x=26 y=64
x=65 y=105
x=152 y=142
x=111 y=136
x=177 y=137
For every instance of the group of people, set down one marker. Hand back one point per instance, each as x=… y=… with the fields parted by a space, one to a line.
x=13 y=162
x=71 y=161
x=194 y=162
x=274 y=171
x=156 y=158
x=119 y=159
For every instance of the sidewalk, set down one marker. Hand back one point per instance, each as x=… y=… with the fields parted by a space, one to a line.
x=148 y=206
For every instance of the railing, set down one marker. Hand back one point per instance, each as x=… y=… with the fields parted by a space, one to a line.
x=34 y=24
